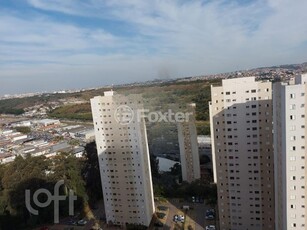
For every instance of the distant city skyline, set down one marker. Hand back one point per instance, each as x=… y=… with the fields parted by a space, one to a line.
x=48 y=45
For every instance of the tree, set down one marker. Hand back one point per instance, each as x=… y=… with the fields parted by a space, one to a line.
x=23 y=129
x=154 y=164
x=91 y=173
x=33 y=173
x=176 y=170
x=202 y=101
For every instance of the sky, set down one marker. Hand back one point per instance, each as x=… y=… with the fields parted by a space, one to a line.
x=48 y=45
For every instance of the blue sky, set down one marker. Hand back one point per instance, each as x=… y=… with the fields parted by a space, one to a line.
x=64 y=44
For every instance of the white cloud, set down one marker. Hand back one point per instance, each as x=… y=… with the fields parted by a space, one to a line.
x=174 y=36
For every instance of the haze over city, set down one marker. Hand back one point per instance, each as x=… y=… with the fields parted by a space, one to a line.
x=53 y=44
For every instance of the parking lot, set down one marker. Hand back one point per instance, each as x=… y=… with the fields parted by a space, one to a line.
x=194 y=217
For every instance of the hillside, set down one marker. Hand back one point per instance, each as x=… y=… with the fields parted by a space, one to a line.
x=157 y=97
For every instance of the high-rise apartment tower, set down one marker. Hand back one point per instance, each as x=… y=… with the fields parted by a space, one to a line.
x=290 y=136
x=189 y=155
x=242 y=153
x=123 y=155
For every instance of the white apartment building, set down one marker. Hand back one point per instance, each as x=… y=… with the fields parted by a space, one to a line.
x=123 y=155
x=290 y=136
x=188 y=145
x=242 y=153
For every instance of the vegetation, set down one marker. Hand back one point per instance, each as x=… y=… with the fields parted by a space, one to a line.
x=16 y=106
x=203 y=127
x=82 y=176
x=77 y=112
x=168 y=93
x=91 y=173
x=166 y=183
x=23 y=129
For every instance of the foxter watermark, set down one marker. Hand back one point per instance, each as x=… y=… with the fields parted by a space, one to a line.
x=125 y=114
x=55 y=198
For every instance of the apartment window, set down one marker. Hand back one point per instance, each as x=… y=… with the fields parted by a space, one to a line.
x=292 y=138
x=292 y=107
x=292 y=117
x=292 y=95
x=292 y=168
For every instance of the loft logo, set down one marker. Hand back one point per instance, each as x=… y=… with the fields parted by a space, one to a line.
x=55 y=198
x=125 y=114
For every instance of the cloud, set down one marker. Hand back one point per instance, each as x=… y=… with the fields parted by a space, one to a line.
x=199 y=26
x=121 y=41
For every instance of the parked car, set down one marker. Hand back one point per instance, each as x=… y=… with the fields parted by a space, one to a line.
x=210 y=227
x=72 y=222
x=178 y=218
x=210 y=214
x=82 y=222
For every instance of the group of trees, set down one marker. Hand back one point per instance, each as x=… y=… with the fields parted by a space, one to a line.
x=77 y=112
x=33 y=173
x=169 y=184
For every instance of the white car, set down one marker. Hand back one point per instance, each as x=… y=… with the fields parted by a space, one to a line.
x=210 y=227
x=181 y=218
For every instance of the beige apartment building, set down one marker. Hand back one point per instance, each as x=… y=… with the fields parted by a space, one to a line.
x=188 y=145
x=242 y=153
x=290 y=136
x=123 y=155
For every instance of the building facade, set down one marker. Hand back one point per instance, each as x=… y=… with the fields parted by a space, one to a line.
x=188 y=145
x=123 y=155
x=242 y=153
x=289 y=112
